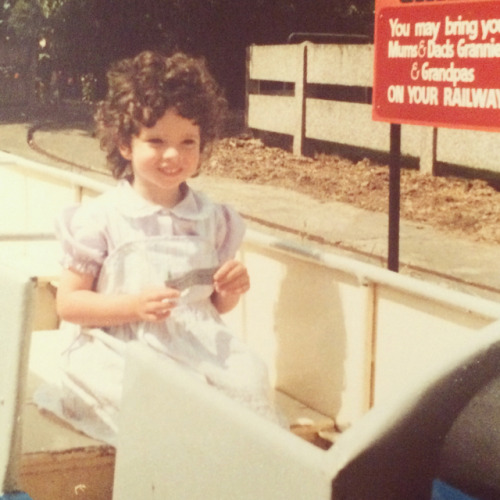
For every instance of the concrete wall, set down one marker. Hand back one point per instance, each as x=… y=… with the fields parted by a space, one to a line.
x=300 y=114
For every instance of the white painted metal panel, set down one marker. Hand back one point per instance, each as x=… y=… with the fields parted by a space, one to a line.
x=31 y=199
x=33 y=194
x=195 y=443
x=36 y=258
x=307 y=358
x=415 y=335
x=16 y=313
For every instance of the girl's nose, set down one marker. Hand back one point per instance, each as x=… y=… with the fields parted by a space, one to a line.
x=170 y=152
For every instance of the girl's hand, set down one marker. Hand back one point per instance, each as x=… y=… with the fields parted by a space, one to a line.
x=155 y=304
x=231 y=279
x=78 y=303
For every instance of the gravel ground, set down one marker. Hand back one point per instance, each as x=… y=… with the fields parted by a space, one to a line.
x=467 y=208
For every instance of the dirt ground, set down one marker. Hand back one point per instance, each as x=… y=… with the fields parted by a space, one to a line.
x=464 y=207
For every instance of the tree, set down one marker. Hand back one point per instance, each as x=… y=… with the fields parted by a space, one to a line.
x=88 y=34
x=223 y=29
x=26 y=20
x=5 y=7
x=50 y=6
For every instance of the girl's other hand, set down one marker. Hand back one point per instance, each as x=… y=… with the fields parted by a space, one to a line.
x=156 y=304
x=232 y=279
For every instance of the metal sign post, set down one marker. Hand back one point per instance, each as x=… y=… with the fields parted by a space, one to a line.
x=394 y=197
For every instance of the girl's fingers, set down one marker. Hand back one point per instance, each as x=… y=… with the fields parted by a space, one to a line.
x=160 y=311
x=238 y=285
x=228 y=268
x=231 y=271
x=161 y=296
x=168 y=302
x=159 y=303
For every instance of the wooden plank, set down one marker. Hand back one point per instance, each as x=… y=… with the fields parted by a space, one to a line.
x=305 y=422
x=58 y=462
x=86 y=473
x=45 y=308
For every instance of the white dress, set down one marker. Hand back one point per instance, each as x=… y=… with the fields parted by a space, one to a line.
x=129 y=244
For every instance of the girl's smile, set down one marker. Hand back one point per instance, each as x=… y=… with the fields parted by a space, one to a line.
x=163 y=157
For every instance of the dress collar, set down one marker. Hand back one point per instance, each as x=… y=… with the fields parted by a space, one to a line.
x=193 y=205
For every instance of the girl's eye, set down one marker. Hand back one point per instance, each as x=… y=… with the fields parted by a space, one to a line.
x=155 y=142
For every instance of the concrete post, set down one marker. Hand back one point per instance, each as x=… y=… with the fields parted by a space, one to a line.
x=247 y=84
x=300 y=102
x=428 y=148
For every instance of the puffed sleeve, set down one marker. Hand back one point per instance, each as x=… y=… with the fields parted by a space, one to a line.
x=82 y=238
x=230 y=232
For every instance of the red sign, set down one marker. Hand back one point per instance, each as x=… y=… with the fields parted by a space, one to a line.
x=437 y=63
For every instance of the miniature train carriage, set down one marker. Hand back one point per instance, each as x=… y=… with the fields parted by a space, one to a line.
x=370 y=369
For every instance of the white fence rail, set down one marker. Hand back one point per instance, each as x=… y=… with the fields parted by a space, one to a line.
x=323 y=92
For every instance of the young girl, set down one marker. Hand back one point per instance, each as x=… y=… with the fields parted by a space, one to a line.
x=152 y=260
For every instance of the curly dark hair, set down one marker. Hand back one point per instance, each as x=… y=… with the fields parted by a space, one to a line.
x=142 y=88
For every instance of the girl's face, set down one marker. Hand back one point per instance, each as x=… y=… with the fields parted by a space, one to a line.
x=163 y=157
